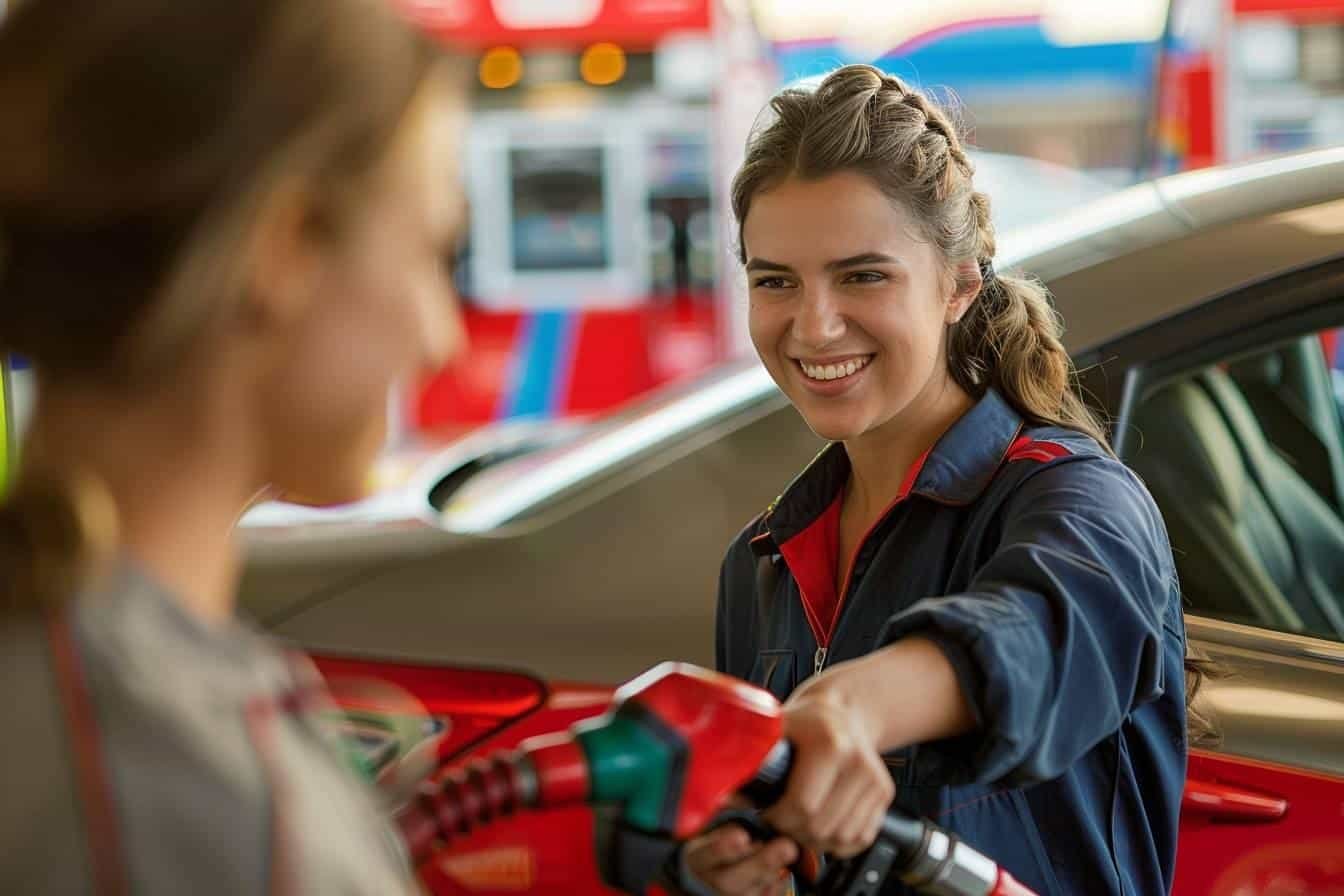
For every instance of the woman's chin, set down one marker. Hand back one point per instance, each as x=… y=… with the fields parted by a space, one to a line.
x=331 y=492
x=833 y=427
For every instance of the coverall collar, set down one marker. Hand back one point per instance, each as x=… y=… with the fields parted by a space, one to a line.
x=955 y=471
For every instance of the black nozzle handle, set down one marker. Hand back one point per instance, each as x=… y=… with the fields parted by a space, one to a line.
x=906 y=834
x=767 y=787
x=923 y=855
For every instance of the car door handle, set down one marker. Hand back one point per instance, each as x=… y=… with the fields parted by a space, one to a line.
x=1224 y=802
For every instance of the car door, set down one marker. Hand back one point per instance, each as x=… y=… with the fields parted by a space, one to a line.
x=1204 y=405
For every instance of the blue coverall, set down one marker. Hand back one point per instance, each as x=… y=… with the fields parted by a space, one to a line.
x=1041 y=567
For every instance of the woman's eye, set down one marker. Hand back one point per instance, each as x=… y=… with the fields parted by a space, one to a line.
x=865 y=277
x=771 y=283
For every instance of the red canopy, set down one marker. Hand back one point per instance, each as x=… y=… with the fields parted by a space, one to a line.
x=557 y=23
x=1300 y=10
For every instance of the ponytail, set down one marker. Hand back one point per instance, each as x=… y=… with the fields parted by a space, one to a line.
x=1010 y=339
x=57 y=533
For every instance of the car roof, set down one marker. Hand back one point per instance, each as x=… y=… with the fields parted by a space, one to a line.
x=1146 y=253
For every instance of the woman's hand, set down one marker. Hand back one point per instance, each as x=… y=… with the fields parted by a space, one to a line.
x=840 y=724
x=730 y=863
x=839 y=789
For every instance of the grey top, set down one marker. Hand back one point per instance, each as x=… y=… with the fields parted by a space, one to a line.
x=146 y=752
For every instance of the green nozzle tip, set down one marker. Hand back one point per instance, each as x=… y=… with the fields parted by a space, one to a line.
x=629 y=766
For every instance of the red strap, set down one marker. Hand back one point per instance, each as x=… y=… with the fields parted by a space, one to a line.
x=109 y=871
x=260 y=717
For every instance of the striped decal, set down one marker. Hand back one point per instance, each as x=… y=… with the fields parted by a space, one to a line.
x=1025 y=448
x=259 y=717
x=539 y=378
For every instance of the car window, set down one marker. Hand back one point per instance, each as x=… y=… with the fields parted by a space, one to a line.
x=1245 y=458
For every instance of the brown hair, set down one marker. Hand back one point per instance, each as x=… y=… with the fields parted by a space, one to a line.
x=861 y=119
x=142 y=141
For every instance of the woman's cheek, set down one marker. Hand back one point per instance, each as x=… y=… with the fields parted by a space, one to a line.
x=766 y=326
x=437 y=331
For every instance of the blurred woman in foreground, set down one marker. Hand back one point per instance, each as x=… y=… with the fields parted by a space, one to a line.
x=222 y=233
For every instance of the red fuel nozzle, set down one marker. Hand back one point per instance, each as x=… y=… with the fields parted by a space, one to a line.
x=676 y=743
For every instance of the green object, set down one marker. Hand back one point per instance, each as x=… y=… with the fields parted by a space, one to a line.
x=629 y=766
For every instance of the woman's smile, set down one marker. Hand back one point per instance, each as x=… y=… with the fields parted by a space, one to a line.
x=832 y=376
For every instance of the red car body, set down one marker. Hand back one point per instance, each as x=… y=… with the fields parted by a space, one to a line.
x=1269 y=817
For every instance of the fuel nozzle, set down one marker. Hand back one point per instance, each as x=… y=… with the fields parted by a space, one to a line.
x=675 y=744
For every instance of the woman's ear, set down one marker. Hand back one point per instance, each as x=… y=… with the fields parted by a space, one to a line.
x=966 y=284
x=286 y=260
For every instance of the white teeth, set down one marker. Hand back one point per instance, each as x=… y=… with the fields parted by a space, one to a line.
x=834 y=371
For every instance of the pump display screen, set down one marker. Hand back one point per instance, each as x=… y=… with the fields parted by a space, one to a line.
x=559 y=209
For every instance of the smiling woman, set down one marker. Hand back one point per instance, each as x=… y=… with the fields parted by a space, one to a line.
x=967 y=601
x=902 y=202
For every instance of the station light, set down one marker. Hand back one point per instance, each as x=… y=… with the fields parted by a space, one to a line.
x=602 y=64
x=501 y=67
x=1075 y=23
x=870 y=30
x=525 y=15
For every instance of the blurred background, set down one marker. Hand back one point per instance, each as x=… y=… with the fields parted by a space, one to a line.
x=599 y=261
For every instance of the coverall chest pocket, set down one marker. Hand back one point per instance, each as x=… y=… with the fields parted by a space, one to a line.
x=776 y=671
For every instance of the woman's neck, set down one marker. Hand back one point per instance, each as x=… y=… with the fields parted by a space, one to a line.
x=881 y=459
x=178 y=489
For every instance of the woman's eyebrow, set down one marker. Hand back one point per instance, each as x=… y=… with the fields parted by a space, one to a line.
x=760 y=264
x=862 y=258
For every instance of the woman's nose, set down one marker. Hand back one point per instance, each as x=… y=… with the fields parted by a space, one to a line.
x=819 y=321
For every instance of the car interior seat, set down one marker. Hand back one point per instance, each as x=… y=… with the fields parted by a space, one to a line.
x=1253 y=541
x=1290 y=390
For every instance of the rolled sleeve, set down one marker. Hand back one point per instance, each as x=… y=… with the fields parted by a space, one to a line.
x=1061 y=633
